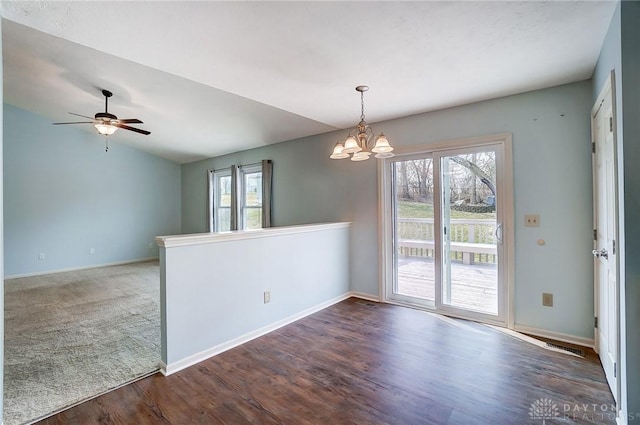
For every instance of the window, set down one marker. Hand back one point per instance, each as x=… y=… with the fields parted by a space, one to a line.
x=222 y=201
x=251 y=203
x=239 y=197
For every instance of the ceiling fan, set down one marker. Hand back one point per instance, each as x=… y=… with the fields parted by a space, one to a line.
x=107 y=123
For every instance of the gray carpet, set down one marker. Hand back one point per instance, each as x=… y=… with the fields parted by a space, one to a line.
x=70 y=336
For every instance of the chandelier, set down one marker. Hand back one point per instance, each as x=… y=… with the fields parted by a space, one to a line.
x=359 y=141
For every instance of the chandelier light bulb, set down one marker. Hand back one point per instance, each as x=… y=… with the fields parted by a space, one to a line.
x=360 y=156
x=382 y=144
x=385 y=155
x=338 y=152
x=351 y=145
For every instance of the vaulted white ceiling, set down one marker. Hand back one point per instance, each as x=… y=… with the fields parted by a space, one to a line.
x=209 y=78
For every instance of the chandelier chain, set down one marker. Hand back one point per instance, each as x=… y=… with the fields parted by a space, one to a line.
x=362 y=106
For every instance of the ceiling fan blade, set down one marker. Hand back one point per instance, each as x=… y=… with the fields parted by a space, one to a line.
x=130 y=121
x=137 y=130
x=83 y=116
x=77 y=122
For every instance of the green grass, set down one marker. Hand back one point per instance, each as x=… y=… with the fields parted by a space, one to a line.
x=409 y=209
x=254 y=218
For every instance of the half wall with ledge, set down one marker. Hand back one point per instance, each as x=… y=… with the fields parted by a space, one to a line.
x=220 y=290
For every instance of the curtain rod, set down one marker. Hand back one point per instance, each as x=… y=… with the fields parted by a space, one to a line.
x=239 y=166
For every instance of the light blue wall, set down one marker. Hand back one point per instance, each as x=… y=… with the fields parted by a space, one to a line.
x=552 y=177
x=1 y=244
x=552 y=166
x=320 y=196
x=621 y=53
x=64 y=195
x=610 y=58
x=630 y=28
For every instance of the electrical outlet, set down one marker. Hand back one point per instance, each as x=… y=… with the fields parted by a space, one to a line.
x=92 y=251
x=41 y=256
x=547 y=300
x=532 y=220
x=267 y=297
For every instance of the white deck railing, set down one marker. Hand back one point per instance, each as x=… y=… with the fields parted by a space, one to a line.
x=472 y=240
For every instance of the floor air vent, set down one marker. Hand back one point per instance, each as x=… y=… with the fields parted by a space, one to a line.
x=576 y=351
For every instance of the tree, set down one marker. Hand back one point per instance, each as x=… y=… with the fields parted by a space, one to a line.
x=404 y=181
x=421 y=180
x=477 y=171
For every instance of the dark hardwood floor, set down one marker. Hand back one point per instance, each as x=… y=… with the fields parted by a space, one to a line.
x=359 y=362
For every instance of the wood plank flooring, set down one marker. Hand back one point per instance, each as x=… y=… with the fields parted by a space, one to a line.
x=359 y=362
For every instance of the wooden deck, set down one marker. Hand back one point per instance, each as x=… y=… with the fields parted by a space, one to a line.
x=473 y=286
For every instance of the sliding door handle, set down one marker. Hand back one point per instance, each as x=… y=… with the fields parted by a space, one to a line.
x=498 y=233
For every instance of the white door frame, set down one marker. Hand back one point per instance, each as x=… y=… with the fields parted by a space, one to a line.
x=508 y=230
x=608 y=87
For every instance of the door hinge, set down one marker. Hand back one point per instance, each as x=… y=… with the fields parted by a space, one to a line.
x=610 y=123
x=614 y=247
x=595 y=234
x=615 y=370
x=595 y=322
x=593 y=147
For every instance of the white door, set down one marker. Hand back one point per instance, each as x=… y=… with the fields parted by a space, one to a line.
x=604 y=252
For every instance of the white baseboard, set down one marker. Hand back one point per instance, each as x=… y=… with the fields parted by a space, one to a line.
x=571 y=339
x=73 y=269
x=168 y=369
x=364 y=296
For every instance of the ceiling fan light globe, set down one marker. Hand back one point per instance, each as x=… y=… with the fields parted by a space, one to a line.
x=105 y=129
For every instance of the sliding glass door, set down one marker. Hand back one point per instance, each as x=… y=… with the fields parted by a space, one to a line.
x=445 y=231
x=470 y=231
x=414 y=230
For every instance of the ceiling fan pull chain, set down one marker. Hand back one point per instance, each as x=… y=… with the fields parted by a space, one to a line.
x=106 y=144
